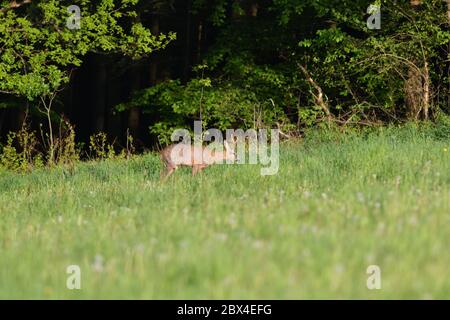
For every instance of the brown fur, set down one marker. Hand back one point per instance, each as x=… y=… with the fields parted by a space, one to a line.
x=173 y=159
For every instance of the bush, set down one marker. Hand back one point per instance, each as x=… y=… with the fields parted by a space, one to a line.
x=20 y=152
x=221 y=106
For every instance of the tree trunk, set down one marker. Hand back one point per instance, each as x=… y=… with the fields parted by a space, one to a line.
x=414 y=86
x=2 y=120
x=99 y=106
x=414 y=93
x=426 y=91
x=448 y=11
x=154 y=63
x=134 y=115
x=187 y=45
x=253 y=10
x=199 y=41
x=19 y=119
x=318 y=96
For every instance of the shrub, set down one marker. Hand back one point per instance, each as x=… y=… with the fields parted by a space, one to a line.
x=20 y=152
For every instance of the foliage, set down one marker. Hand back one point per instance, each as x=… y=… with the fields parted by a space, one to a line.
x=219 y=106
x=256 y=63
x=23 y=151
x=20 y=152
x=38 y=51
x=100 y=148
x=65 y=145
x=357 y=66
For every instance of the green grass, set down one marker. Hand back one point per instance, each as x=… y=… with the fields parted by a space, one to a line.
x=337 y=205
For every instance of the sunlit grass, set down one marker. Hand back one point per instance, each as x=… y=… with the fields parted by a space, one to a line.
x=337 y=205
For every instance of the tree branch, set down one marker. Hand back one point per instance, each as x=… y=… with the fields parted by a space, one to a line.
x=319 y=96
x=14 y=5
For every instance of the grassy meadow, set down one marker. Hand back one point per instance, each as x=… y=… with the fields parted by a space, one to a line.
x=338 y=204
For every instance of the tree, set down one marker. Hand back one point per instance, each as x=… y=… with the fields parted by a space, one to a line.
x=388 y=68
x=43 y=42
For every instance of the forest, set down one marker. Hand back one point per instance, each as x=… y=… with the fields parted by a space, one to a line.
x=113 y=72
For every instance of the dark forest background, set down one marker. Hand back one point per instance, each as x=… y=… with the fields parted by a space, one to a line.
x=289 y=64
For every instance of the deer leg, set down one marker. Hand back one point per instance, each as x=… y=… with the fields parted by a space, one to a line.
x=168 y=172
x=198 y=168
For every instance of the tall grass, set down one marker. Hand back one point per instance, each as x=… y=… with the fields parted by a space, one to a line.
x=340 y=203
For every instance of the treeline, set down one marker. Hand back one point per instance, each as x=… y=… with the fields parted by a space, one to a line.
x=138 y=69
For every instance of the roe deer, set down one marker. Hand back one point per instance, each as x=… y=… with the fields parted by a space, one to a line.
x=198 y=158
